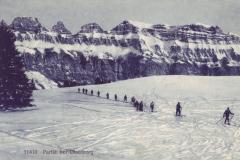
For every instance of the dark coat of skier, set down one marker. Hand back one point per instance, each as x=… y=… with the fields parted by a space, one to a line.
x=226 y=115
x=141 y=106
x=78 y=90
x=107 y=95
x=115 y=97
x=152 y=106
x=92 y=92
x=133 y=100
x=178 y=109
x=125 y=98
x=136 y=105
x=98 y=94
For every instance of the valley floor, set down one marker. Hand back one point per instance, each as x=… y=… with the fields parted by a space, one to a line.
x=65 y=119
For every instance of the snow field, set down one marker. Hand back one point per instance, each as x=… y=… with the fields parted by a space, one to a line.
x=65 y=119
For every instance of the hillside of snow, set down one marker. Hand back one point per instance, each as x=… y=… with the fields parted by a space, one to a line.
x=113 y=130
x=40 y=81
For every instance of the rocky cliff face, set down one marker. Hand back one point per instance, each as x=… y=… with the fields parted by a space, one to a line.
x=131 y=49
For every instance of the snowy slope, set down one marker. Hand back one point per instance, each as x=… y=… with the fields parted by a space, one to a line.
x=40 y=81
x=114 y=130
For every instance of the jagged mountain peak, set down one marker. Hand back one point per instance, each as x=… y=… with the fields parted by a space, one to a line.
x=124 y=28
x=60 y=28
x=90 y=28
x=139 y=24
x=201 y=24
x=199 y=27
x=131 y=26
x=24 y=24
x=161 y=26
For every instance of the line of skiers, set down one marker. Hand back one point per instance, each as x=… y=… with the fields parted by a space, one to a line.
x=85 y=91
x=226 y=113
x=139 y=105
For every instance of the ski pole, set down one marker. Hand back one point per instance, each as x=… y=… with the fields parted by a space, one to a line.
x=231 y=118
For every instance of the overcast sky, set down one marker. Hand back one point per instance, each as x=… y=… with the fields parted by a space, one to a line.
x=109 y=13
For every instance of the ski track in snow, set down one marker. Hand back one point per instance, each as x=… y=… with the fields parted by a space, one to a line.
x=114 y=130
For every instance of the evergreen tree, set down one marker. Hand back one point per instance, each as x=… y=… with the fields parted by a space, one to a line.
x=15 y=88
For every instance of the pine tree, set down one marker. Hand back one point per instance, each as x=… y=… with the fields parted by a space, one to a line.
x=15 y=88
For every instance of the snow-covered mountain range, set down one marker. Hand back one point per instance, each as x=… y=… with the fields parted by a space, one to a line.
x=131 y=49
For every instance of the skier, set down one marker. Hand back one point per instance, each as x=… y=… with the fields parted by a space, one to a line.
x=107 y=95
x=178 y=109
x=92 y=92
x=141 y=106
x=98 y=93
x=115 y=97
x=83 y=90
x=133 y=100
x=152 y=106
x=125 y=98
x=78 y=90
x=226 y=115
x=136 y=105
x=86 y=91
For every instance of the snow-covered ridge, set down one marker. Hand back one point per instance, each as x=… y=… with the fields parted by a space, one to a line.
x=88 y=50
x=131 y=49
x=60 y=28
x=129 y=34
x=40 y=81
